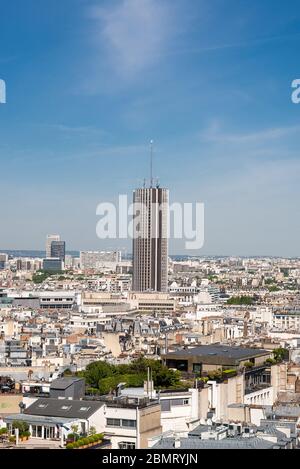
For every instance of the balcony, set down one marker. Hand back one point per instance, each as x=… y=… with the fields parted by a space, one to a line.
x=124 y=402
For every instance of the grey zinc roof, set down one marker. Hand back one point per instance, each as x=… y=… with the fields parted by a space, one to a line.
x=272 y=431
x=219 y=352
x=199 y=430
x=63 y=383
x=287 y=411
x=65 y=408
x=232 y=443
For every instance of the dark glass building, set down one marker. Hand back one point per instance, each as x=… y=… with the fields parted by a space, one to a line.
x=58 y=250
x=53 y=265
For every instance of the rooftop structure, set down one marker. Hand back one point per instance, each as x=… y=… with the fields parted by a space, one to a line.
x=208 y=357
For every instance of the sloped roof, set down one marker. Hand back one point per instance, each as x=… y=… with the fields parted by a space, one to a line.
x=65 y=408
x=64 y=383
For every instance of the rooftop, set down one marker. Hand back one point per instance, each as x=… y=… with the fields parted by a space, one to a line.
x=64 y=383
x=65 y=408
x=232 y=443
x=36 y=419
x=210 y=351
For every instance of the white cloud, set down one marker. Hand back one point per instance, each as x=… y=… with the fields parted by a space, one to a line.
x=214 y=133
x=135 y=33
x=83 y=131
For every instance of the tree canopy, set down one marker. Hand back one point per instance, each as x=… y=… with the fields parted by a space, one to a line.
x=241 y=300
x=104 y=378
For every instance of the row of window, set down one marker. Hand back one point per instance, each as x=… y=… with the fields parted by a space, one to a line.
x=124 y=423
x=57 y=299
x=57 y=306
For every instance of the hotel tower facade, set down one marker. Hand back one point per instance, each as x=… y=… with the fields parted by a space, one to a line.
x=150 y=240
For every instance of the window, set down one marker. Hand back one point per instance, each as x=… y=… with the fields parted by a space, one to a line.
x=179 y=402
x=42 y=406
x=129 y=423
x=65 y=407
x=113 y=422
x=125 y=423
x=197 y=367
x=165 y=405
x=84 y=409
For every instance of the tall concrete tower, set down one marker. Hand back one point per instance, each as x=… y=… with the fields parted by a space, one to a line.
x=150 y=241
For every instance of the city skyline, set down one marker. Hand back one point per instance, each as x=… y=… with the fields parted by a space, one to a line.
x=211 y=85
x=149 y=229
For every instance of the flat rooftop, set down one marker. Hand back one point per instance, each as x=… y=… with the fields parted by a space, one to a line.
x=215 y=353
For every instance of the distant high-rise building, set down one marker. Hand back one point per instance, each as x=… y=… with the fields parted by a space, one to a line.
x=58 y=250
x=53 y=265
x=3 y=261
x=49 y=240
x=150 y=240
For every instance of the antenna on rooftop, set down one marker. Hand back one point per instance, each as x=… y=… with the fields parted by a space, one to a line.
x=151 y=163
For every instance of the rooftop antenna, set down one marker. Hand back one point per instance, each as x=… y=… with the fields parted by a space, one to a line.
x=151 y=164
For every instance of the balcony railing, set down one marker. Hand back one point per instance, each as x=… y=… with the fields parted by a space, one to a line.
x=124 y=402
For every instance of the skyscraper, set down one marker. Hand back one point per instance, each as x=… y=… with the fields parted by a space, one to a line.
x=58 y=250
x=150 y=240
x=49 y=240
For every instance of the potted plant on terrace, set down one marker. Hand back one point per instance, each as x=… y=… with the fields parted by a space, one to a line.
x=23 y=428
x=25 y=436
x=87 y=442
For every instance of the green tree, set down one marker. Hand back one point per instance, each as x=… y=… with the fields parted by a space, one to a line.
x=241 y=300
x=106 y=377
x=23 y=427
x=93 y=431
x=271 y=361
x=166 y=378
x=273 y=289
x=248 y=365
x=96 y=371
x=107 y=385
x=280 y=354
x=74 y=429
x=269 y=281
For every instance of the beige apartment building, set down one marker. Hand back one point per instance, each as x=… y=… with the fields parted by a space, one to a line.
x=141 y=302
x=150 y=302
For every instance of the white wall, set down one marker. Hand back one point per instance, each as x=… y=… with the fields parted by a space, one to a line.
x=178 y=417
x=120 y=434
x=262 y=397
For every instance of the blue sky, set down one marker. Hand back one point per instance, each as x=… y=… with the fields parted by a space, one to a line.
x=89 y=83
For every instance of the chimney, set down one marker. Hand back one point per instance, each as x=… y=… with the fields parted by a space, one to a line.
x=148 y=388
x=177 y=443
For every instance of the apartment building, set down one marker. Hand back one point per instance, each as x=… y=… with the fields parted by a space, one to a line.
x=130 y=422
x=212 y=357
x=150 y=302
x=286 y=320
x=97 y=260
